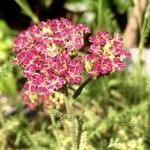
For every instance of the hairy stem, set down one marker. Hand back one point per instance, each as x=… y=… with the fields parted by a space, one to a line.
x=69 y=104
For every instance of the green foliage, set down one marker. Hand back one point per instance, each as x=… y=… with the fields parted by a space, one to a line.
x=83 y=141
x=98 y=14
x=144 y=32
x=145 y=28
x=105 y=17
x=7 y=80
x=113 y=120
x=5 y=40
x=8 y=84
x=123 y=6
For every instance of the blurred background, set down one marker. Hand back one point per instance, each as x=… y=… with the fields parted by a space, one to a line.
x=116 y=108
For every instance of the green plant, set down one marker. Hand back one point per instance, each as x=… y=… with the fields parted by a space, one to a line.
x=115 y=111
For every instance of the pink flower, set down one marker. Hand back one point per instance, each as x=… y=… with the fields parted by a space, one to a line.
x=50 y=57
x=105 y=54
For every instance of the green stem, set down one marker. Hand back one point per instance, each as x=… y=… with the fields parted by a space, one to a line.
x=69 y=104
x=143 y=33
x=69 y=109
x=139 y=62
x=79 y=90
x=144 y=30
x=99 y=21
x=142 y=40
x=27 y=10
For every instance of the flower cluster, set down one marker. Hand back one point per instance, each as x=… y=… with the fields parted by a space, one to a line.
x=48 y=53
x=105 y=54
x=50 y=57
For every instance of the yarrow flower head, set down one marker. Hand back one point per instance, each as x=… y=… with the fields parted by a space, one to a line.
x=105 y=55
x=50 y=57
